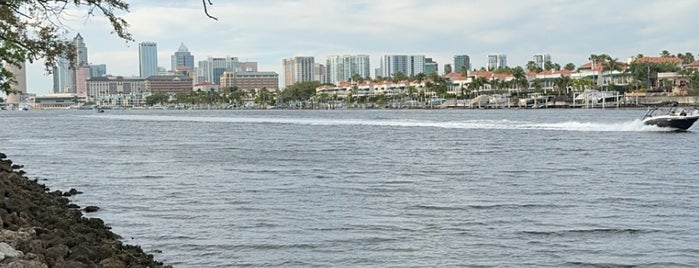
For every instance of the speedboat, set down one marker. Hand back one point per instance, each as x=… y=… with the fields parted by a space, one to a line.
x=675 y=118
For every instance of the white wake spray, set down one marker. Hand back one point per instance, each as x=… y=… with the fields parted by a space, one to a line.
x=635 y=125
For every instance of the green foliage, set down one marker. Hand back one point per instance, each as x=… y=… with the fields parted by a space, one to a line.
x=531 y=66
x=299 y=92
x=548 y=65
x=31 y=30
x=570 y=66
x=157 y=98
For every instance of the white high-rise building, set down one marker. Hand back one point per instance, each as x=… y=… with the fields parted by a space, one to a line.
x=540 y=59
x=147 y=59
x=342 y=68
x=496 y=61
x=211 y=69
x=408 y=65
x=298 y=69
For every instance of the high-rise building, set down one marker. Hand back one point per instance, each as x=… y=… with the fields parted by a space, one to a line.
x=248 y=66
x=462 y=61
x=250 y=80
x=319 y=72
x=20 y=83
x=62 y=81
x=211 y=69
x=98 y=70
x=408 y=65
x=343 y=68
x=81 y=52
x=298 y=69
x=182 y=57
x=64 y=74
x=431 y=66
x=147 y=59
x=496 y=61
x=82 y=74
x=540 y=59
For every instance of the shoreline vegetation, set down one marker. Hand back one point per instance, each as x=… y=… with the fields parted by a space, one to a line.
x=42 y=228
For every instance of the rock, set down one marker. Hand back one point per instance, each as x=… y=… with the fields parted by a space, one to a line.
x=26 y=264
x=72 y=191
x=8 y=235
x=9 y=251
x=41 y=228
x=2 y=156
x=57 y=253
x=75 y=264
x=112 y=263
x=89 y=209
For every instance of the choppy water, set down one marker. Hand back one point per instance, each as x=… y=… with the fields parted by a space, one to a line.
x=406 y=188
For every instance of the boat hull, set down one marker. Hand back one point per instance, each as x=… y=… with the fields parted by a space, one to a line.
x=681 y=123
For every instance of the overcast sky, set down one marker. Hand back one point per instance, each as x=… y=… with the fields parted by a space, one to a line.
x=267 y=31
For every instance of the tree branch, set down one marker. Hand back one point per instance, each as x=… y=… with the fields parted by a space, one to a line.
x=206 y=10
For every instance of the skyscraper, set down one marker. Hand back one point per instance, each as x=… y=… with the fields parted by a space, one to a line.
x=540 y=59
x=20 y=84
x=211 y=69
x=408 y=65
x=461 y=61
x=342 y=68
x=496 y=61
x=81 y=51
x=431 y=66
x=182 y=57
x=62 y=81
x=147 y=59
x=98 y=70
x=298 y=69
x=64 y=74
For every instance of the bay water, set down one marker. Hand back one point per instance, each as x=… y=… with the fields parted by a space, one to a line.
x=375 y=188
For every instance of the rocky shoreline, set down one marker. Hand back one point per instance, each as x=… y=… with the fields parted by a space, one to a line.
x=41 y=228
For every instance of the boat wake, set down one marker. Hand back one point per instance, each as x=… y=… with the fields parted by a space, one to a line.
x=627 y=126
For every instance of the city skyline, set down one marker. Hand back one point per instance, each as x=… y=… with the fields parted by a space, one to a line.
x=269 y=31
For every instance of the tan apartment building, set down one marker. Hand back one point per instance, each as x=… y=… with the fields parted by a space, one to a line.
x=250 y=80
x=168 y=84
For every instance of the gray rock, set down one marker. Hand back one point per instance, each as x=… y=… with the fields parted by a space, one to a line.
x=26 y=264
x=9 y=251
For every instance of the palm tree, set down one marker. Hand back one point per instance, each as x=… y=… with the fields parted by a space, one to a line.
x=420 y=77
x=611 y=64
x=520 y=81
x=412 y=91
x=477 y=84
x=536 y=84
x=562 y=83
x=397 y=77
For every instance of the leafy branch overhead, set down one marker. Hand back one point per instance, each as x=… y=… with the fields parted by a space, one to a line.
x=33 y=29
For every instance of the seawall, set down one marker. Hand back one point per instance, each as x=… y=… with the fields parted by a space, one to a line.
x=41 y=228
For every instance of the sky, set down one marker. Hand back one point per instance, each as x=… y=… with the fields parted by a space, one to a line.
x=268 y=31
